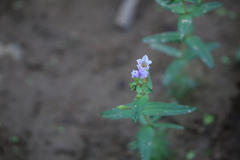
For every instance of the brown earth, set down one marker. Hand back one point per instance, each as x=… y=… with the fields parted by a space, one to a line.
x=74 y=63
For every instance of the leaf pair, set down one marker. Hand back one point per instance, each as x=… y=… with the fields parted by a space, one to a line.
x=196 y=47
x=196 y=8
x=147 y=108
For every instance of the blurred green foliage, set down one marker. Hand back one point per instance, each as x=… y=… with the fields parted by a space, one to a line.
x=190 y=155
x=190 y=46
x=208 y=119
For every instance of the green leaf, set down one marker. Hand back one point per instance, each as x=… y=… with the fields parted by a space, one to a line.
x=167 y=125
x=185 y=25
x=221 y=12
x=139 y=90
x=160 y=148
x=176 y=7
x=208 y=119
x=173 y=71
x=191 y=1
x=145 y=140
x=167 y=50
x=212 y=45
x=204 y=8
x=133 y=86
x=121 y=112
x=117 y=113
x=187 y=82
x=200 y=49
x=166 y=109
x=138 y=107
x=155 y=118
x=190 y=54
x=149 y=83
x=142 y=120
x=147 y=87
x=182 y=87
x=190 y=155
x=225 y=60
x=163 y=38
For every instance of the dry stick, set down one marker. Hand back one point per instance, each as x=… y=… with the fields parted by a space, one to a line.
x=126 y=13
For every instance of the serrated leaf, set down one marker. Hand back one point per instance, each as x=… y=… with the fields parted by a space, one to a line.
x=173 y=71
x=167 y=50
x=200 y=49
x=163 y=38
x=145 y=138
x=185 y=25
x=204 y=8
x=166 y=109
x=167 y=125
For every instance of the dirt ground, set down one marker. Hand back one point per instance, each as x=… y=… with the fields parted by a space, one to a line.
x=71 y=63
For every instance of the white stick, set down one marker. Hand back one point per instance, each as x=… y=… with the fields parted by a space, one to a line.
x=126 y=13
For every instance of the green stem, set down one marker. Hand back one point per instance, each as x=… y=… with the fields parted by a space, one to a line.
x=184 y=6
x=147 y=120
x=183 y=49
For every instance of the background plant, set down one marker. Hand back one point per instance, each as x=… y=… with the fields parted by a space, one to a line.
x=189 y=46
x=150 y=140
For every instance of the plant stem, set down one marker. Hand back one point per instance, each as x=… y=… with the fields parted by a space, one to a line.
x=184 y=6
x=147 y=120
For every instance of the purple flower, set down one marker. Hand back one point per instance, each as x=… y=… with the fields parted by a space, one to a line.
x=143 y=73
x=144 y=63
x=135 y=74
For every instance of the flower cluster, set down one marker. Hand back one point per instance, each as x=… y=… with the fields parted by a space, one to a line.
x=143 y=68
